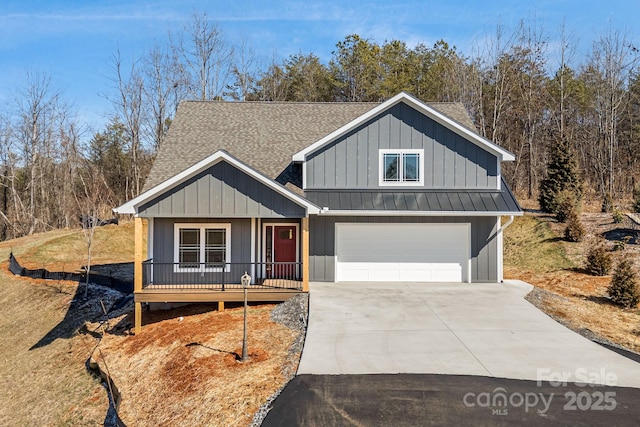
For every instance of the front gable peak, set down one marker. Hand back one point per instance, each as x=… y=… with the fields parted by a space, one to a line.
x=133 y=206
x=423 y=108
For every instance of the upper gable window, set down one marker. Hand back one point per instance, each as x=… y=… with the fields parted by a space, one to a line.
x=401 y=167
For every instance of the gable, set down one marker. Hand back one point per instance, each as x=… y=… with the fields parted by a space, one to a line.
x=263 y=135
x=455 y=125
x=185 y=178
x=352 y=161
x=221 y=190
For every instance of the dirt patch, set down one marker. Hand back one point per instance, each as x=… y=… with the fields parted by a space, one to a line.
x=184 y=369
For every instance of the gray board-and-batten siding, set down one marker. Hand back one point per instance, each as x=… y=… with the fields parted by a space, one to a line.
x=352 y=161
x=164 y=246
x=484 y=243
x=222 y=191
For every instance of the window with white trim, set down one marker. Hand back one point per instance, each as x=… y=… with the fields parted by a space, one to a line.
x=401 y=167
x=202 y=247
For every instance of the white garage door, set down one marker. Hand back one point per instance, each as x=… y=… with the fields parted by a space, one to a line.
x=402 y=252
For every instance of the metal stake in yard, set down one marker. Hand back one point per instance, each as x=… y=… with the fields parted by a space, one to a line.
x=246 y=280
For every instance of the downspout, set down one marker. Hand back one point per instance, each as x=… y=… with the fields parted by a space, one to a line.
x=508 y=223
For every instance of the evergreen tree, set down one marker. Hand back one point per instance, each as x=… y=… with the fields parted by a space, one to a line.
x=563 y=176
x=623 y=289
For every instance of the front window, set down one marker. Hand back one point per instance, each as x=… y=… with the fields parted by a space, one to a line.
x=202 y=247
x=401 y=167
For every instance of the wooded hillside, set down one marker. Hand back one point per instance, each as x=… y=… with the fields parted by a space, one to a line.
x=526 y=89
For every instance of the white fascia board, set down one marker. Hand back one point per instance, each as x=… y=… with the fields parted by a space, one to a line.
x=131 y=206
x=301 y=155
x=415 y=213
x=501 y=153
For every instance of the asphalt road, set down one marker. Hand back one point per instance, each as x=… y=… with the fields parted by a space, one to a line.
x=449 y=400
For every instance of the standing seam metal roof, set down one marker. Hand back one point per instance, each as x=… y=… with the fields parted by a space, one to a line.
x=467 y=200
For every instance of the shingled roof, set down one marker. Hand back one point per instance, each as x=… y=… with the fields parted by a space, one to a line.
x=264 y=135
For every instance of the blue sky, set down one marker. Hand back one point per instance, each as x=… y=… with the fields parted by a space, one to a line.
x=72 y=40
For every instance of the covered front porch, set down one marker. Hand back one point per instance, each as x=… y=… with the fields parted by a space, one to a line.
x=209 y=224
x=277 y=272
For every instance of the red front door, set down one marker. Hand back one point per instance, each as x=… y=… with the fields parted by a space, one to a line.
x=284 y=241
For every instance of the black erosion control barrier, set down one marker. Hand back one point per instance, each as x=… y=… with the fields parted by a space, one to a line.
x=98 y=279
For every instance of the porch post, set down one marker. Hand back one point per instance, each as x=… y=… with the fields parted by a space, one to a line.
x=305 y=254
x=137 y=272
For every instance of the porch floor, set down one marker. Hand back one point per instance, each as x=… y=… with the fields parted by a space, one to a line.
x=214 y=293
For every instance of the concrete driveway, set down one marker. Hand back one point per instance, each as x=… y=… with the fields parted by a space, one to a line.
x=447 y=328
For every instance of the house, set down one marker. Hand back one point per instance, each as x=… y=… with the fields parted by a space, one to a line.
x=334 y=192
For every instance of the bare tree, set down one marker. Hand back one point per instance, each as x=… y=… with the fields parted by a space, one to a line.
x=205 y=58
x=612 y=60
x=39 y=114
x=128 y=105
x=529 y=56
x=244 y=72
x=163 y=92
x=5 y=161
x=91 y=203
x=560 y=98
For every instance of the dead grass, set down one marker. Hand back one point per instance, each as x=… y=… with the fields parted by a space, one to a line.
x=531 y=245
x=66 y=250
x=174 y=373
x=535 y=253
x=186 y=372
x=46 y=386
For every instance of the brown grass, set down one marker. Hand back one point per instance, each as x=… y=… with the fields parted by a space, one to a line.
x=535 y=253
x=66 y=250
x=46 y=386
x=186 y=372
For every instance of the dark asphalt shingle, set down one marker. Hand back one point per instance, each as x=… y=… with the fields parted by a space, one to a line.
x=264 y=135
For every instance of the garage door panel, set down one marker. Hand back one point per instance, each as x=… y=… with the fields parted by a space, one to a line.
x=402 y=252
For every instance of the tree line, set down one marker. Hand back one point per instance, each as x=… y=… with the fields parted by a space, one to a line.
x=536 y=98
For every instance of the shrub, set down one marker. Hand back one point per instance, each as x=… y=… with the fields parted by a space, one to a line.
x=619 y=245
x=623 y=289
x=598 y=261
x=618 y=216
x=574 y=231
x=567 y=204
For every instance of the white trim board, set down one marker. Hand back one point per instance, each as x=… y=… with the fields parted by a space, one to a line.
x=400 y=182
x=264 y=240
